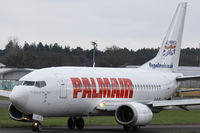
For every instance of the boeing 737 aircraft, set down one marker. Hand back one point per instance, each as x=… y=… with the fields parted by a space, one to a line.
x=131 y=95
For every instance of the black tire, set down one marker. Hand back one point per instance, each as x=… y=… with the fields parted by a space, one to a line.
x=128 y=128
x=71 y=123
x=37 y=127
x=136 y=128
x=34 y=129
x=80 y=123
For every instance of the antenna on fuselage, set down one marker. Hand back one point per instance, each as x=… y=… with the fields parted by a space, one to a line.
x=94 y=44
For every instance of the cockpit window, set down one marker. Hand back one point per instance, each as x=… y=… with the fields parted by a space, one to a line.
x=19 y=82
x=29 y=83
x=37 y=84
x=40 y=84
x=43 y=83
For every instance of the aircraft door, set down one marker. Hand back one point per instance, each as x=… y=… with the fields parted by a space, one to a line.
x=63 y=89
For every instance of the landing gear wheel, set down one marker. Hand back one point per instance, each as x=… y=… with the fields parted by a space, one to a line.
x=71 y=123
x=37 y=127
x=132 y=128
x=80 y=123
x=136 y=128
x=128 y=128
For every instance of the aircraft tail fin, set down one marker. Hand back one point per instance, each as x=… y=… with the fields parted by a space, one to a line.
x=167 y=58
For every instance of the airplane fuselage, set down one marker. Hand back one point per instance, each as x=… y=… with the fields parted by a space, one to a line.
x=76 y=91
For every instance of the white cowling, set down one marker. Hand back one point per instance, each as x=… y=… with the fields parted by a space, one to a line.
x=16 y=115
x=133 y=114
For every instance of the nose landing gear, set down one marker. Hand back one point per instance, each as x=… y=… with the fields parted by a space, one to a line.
x=37 y=127
x=73 y=122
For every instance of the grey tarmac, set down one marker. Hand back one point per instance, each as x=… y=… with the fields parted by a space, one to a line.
x=111 y=129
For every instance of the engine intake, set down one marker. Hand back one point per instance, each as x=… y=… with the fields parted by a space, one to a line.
x=133 y=114
x=15 y=114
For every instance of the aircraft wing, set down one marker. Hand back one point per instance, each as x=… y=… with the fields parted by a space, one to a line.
x=184 y=78
x=4 y=93
x=187 y=90
x=109 y=105
x=182 y=103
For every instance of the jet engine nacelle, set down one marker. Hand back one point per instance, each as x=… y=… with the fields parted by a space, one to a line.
x=15 y=114
x=133 y=114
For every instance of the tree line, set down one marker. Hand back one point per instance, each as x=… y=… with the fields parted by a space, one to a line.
x=39 y=55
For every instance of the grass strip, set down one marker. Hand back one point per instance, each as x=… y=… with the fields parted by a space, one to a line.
x=3 y=98
x=164 y=117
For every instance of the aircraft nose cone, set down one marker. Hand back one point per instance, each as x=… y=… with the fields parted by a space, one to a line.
x=19 y=97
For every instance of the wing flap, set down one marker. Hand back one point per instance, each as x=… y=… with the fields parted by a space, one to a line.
x=184 y=102
x=108 y=105
x=4 y=93
x=188 y=90
x=184 y=78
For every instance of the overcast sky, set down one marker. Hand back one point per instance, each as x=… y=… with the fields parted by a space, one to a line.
x=126 y=23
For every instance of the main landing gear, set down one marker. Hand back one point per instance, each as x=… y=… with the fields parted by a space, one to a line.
x=37 y=127
x=132 y=128
x=73 y=122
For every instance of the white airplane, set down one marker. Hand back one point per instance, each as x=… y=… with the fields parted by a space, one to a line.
x=131 y=95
